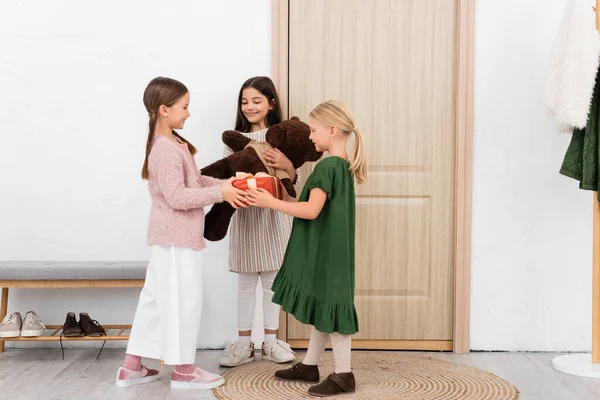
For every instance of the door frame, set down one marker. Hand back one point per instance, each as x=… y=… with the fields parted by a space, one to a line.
x=463 y=162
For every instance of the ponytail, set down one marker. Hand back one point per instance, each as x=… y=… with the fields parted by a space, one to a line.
x=358 y=164
x=151 y=129
x=337 y=114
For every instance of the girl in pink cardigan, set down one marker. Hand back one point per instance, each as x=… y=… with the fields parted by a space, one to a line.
x=167 y=319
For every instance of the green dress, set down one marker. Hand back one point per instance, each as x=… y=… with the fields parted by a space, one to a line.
x=316 y=282
x=581 y=161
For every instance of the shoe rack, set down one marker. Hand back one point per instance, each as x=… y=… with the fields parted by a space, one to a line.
x=113 y=332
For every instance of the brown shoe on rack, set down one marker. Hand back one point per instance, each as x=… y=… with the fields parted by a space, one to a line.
x=71 y=328
x=90 y=327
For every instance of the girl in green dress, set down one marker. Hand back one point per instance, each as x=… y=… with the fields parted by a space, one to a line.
x=316 y=282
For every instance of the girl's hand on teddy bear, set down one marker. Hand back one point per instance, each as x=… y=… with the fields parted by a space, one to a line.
x=232 y=195
x=259 y=198
x=277 y=159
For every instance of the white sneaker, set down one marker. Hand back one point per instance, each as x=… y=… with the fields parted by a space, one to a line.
x=279 y=352
x=32 y=325
x=11 y=325
x=237 y=354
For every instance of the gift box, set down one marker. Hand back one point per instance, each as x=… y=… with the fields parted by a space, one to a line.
x=261 y=180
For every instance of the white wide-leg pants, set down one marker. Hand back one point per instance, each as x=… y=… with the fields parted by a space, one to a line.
x=167 y=319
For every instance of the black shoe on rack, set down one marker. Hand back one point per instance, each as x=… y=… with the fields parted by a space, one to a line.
x=90 y=327
x=71 y=328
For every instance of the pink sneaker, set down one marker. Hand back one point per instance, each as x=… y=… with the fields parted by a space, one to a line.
x=200 y=379
x=126 y=377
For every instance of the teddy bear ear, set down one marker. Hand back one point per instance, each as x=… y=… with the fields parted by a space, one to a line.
x=294 y=118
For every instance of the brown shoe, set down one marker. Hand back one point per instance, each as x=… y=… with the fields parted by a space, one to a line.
x=299 y=372
x=90 y=327
x=334 y=384
x=71 y=328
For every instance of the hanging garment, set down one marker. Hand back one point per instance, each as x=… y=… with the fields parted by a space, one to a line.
x=581 y=159
x=573 y=65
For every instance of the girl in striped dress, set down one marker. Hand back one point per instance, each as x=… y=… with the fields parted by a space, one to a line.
x=258 y=237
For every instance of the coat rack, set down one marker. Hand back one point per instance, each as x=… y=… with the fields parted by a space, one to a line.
x=585 y=364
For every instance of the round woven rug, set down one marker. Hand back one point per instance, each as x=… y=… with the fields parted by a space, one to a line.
x=379 y=375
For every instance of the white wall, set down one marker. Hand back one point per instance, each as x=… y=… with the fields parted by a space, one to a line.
x=74 y=128
x=71 y=80
x=531 y=277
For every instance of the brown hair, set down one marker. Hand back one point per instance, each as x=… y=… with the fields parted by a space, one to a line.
x=334 y=113
x=264 y=85
x=161 y=91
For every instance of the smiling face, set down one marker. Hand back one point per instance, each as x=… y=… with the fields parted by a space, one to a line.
x=178 y=113
x=255 y=106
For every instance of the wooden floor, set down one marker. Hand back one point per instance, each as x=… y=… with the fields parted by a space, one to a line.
x=42 y=374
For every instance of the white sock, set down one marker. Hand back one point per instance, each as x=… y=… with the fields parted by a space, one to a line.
x=316 y=346
x=342 y=346
x=270 y=338
x=245 y=340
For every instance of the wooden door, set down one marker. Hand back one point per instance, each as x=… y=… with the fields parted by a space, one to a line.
x=394 y=64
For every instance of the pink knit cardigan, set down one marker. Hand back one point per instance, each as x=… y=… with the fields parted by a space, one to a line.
x=179 y=194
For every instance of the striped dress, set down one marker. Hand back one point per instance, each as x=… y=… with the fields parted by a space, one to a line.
x=258 y=236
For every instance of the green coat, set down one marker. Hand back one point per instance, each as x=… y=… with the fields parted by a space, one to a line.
x=581 y=159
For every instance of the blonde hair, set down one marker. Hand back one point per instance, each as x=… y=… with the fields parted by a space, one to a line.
x=335 y=113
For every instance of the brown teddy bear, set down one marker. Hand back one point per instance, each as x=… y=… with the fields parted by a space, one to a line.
x=291 y=137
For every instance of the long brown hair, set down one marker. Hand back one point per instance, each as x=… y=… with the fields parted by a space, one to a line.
x=337 y=114
x=161 y=91
x=265 y=85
